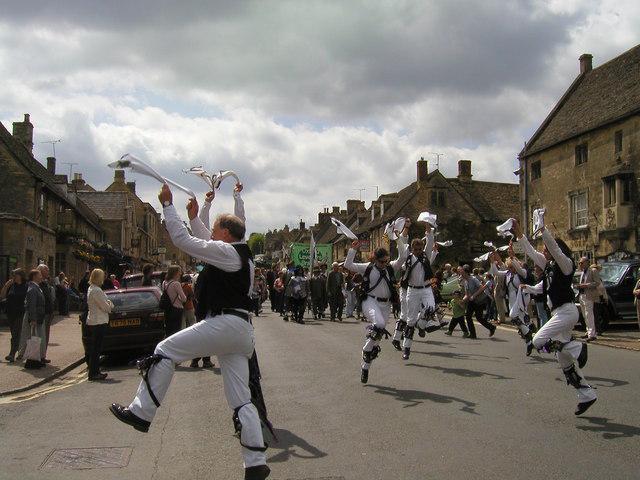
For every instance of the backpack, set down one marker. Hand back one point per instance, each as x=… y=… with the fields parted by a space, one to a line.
x=165 y=302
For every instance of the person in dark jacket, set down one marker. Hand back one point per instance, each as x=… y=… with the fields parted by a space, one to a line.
x=15 y=291
x=318 y=285
x=33 y=322
x=271 y=278
x=49 y=302
x=147 y=273
x=335 y=282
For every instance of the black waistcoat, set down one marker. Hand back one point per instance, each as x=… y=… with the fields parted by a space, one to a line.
x=216 y=289
x=409 y=266
x=558 y=285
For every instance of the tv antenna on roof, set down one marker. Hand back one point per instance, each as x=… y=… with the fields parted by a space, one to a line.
x=438 y=155
x=360 y=190
x=53 y=144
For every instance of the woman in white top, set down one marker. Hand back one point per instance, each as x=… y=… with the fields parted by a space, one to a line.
x=97 y=322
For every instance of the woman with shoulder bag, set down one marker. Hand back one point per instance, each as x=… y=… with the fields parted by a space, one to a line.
x=99 y=307
x=33 y=321
x=172 y=288
x=14 y=292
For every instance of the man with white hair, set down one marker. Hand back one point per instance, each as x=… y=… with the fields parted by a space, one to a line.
x=588 y=288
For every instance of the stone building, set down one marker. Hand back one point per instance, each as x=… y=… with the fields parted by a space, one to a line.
x=145 y=221
x=468 y=211
x=39 y=221
x=583 y=162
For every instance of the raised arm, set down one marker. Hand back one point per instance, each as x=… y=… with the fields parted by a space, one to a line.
x=403 y=250
x=532 y=289
x=204 y=214
x=538 y=258
x=350 y=265
x=520 y=270
x=238 y=208
x=564 y=262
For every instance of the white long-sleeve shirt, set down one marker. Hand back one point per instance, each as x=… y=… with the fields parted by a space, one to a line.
x=382 y=289
x=564 y=262
x=214 y=252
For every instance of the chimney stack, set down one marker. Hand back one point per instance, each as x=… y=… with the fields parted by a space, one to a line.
x=336 y=211
x=464 y=170
x=51 y=165
x=354 y=206
x=586 y=64
x=78 y=182
x=118 y=176
x=423 y=170
x=23 y=131
x=302 y=225
x=132 y=187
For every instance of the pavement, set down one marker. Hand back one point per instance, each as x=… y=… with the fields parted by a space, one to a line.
x=458 y=409
x=65 y=352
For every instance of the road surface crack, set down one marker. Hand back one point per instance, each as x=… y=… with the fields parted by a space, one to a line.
x=157 y=458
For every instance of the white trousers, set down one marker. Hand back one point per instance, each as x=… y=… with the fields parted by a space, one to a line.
x=230 y=338
x=589 y=315
x=377 y=314
x=560 y=327
x=419 y=300
x=402 y=292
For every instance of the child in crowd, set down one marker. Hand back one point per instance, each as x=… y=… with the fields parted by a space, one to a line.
x=458 y=309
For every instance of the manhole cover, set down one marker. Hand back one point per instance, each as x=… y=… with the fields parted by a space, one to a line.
x=87 y=458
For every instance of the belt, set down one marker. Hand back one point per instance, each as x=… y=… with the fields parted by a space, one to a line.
x=234 y=312
x=378 y=298
x=419 y=288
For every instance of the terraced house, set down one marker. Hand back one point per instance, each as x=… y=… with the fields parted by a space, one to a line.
x=583 y=162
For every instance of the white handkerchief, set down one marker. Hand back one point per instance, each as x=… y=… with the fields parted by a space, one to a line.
x=343 y=229
x=398 y=225
x=538 y=221
x=504 y=230
x=503 y=248
x=430 y=218
x=221 y=175
x=129 y=162
x=482 y=258
x=446 y=243
x=489 y=244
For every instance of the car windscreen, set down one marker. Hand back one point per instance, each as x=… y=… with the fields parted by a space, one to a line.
x=128 y=301
x=611 y=272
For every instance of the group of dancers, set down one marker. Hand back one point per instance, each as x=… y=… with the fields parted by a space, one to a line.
x=224 y=328
x=418 y=306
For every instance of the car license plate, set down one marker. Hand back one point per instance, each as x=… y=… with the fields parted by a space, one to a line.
x=125 y=322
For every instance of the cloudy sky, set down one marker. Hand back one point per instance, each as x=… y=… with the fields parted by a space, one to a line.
x=306 y=100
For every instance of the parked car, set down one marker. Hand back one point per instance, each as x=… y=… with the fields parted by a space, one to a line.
x=136 y=322
x=619 y=278
x=135 y=280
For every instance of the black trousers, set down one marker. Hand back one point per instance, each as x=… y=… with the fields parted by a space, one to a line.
x=15 y=324
x=477 y=310
x=96 y=333
x=336 y=304
x=297 y=307
x=458 y=321
x=172 y=321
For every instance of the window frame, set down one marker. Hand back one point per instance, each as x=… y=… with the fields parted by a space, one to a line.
x=581 y=155
x=536 y=170
x=573 y=213
x=618 y=138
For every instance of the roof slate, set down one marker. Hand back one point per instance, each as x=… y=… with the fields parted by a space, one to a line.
x=108 y=205
x=598 y=97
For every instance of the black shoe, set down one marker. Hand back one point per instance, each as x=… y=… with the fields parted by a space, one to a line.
x=97 y=377
x=207 y=364
x=585 y=336
x=194 y=364
x=448 y=332
x=406 y=353
x=582 y=358
x=492 y=331
x=124 y=415
x=10 y=358
x=584 y=406
x=422 y=332
x=529 y=349
x=301 y=322
x=396 y=344
x=45 y=360
x=364 y=376
x=473 y=337
x=259 y=472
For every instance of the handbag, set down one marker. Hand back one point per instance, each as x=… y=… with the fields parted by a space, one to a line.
x=32 y=351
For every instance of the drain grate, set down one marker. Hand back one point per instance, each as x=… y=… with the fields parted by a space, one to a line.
x=88 y=458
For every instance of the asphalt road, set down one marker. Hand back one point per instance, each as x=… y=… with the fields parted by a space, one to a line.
x=458 y=409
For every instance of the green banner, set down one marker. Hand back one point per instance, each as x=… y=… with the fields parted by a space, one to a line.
x=300 y=254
